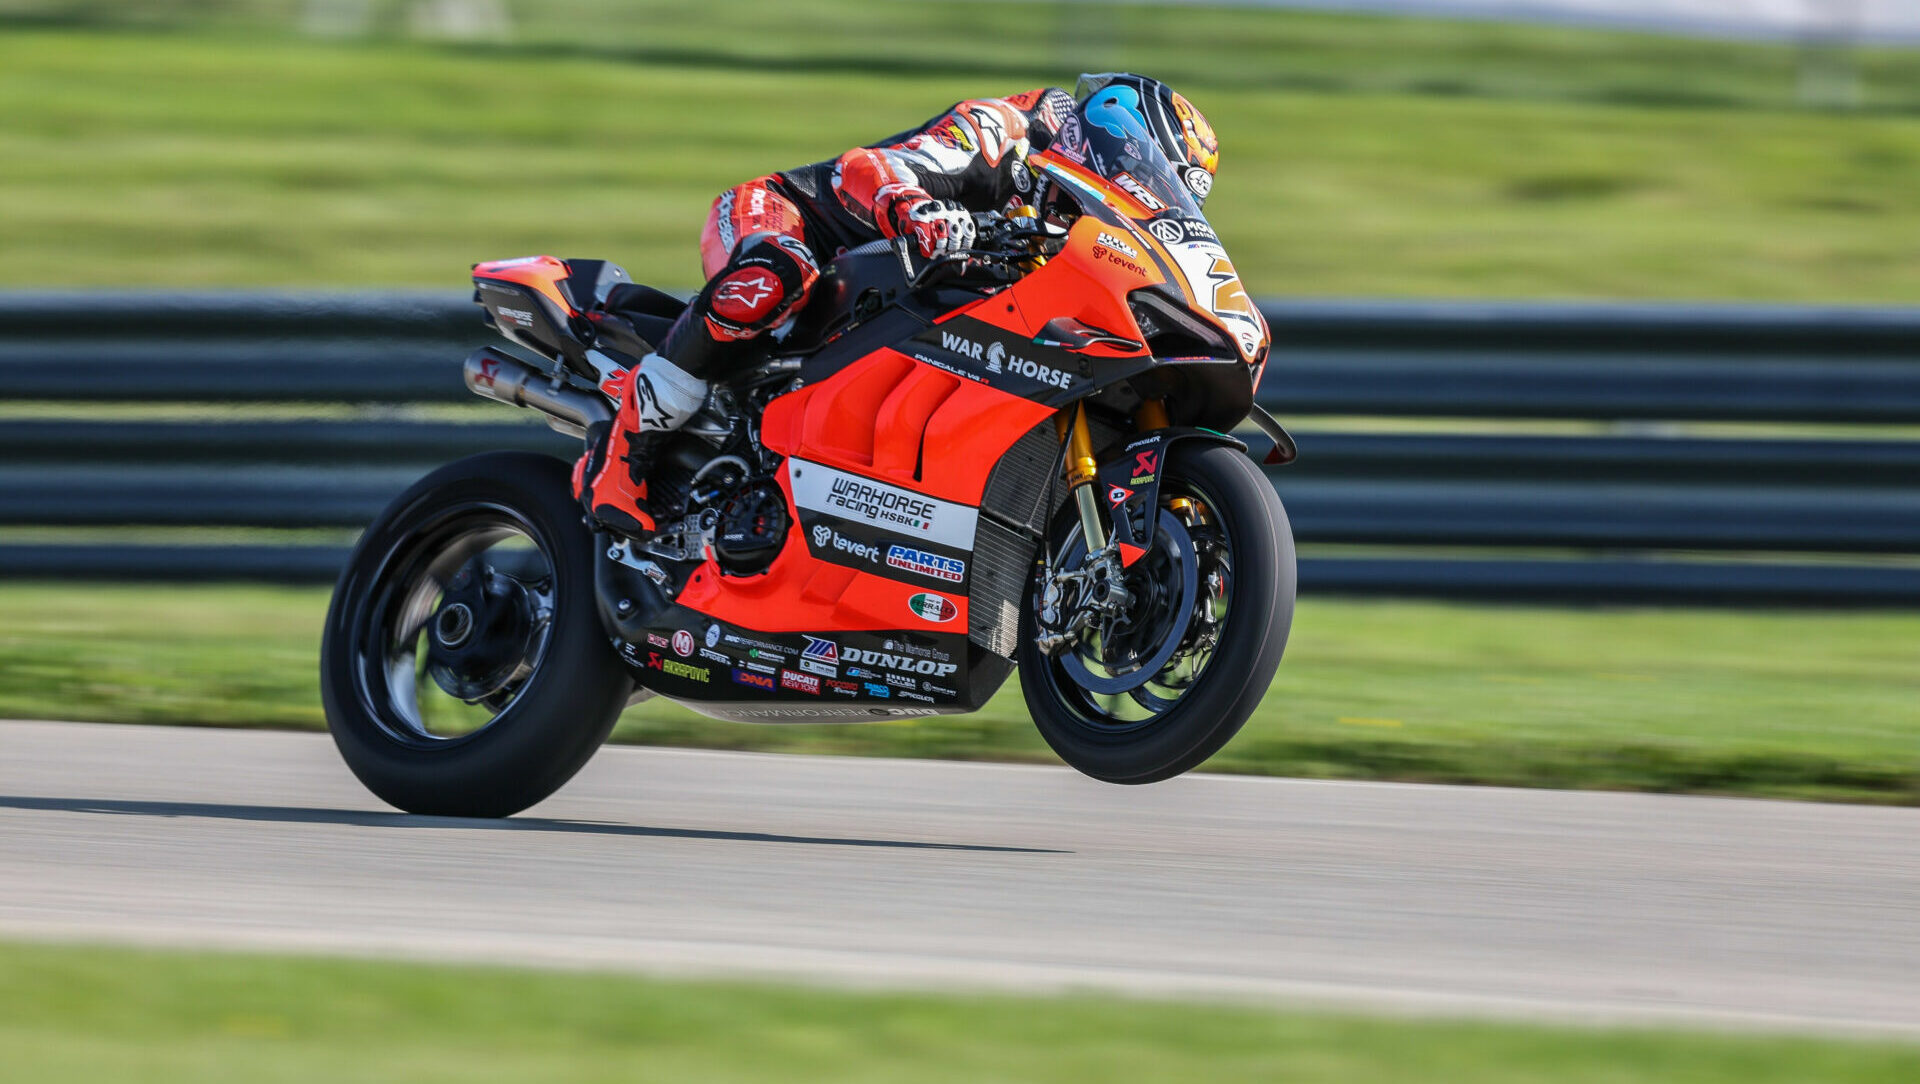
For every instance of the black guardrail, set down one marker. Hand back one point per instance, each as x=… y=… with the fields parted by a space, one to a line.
x=1613 y=495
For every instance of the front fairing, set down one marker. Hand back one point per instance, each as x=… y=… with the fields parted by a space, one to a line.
x=1177 y=238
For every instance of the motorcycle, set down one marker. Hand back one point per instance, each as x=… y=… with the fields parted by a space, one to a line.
x=1015 y=457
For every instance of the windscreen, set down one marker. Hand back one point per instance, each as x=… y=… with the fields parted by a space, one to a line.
x=1110 y=136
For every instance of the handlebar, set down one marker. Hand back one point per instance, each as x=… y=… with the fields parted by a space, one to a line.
x=1002 y=244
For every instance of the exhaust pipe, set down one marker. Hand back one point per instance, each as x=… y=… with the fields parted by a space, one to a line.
x=504 y=378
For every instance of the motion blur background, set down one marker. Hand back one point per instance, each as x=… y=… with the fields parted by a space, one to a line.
x=1666 y=152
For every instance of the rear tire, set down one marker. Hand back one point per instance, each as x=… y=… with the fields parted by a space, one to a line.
x=550 y=706
x=1243 y=658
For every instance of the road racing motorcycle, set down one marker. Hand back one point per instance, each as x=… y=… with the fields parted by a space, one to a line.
x=1016 y=457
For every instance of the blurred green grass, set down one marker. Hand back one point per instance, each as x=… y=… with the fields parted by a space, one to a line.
x=70 y=1014
x=1363 y=156
x=1776 y=703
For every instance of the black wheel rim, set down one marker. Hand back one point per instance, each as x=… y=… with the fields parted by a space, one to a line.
x=458 y=619
x=1192 y=544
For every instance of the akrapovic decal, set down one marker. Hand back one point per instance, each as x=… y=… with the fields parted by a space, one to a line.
x=902 y=512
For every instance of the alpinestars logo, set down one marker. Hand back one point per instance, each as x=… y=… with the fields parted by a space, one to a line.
x=748 y=292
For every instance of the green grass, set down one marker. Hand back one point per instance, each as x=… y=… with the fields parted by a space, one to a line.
x=1790 y=704
x=1363 y=156
x=70 y=1014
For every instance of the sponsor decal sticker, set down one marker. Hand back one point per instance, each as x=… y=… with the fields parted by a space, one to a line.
x=683 y=643
x=820 y=657
x=942 y=690
x=819 y=488
x=709 y=653
x=805 y=683
x=759 y=667
x=905 y=648
x=903 y=663
x=657 y=640
x=1118 y=495
x=909 y=559
x=900 y=681
x=844 y=688
x=713 y=635
x=825 y=537
x=877 y=690
x=821 y=650
x=1116 y=244
x=1199 y=181
x=935 y=608
x=752 y=680
x=1139 y=191
x=684 y=670
x=916 y=696
x=1146 y=467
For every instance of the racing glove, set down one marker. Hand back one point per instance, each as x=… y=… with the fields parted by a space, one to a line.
x=940 y=227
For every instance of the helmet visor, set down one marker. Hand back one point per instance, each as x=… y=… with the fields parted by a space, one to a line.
x=1111 y=136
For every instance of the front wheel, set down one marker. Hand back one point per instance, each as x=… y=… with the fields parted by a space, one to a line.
x=464 y=668
x=1153 y=691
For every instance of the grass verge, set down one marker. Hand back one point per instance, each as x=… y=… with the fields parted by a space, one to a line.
x=1363 y=156
x=1786 y=704
x=107 y=1014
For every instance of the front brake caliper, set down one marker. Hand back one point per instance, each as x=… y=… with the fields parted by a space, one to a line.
x=1073 y=599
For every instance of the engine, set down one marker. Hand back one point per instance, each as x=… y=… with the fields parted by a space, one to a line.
x=751 y=528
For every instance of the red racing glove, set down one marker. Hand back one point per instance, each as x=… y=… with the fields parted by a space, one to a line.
x=940 y=227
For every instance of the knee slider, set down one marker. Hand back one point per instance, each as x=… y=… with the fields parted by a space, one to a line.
x=765 y=282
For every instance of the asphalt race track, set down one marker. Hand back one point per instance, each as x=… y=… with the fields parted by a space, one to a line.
x=1454 y=900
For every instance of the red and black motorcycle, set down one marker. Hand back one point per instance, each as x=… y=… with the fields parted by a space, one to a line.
x=1016 y=457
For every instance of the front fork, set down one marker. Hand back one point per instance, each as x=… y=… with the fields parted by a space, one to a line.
x=1083 y=469
x=1098 y=587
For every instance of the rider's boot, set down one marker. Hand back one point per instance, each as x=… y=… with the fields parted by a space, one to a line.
x=610 y=480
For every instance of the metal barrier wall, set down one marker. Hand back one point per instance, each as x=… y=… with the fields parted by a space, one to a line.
x=1593 y=452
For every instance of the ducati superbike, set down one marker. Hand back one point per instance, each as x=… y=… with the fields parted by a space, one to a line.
x=1012 y=458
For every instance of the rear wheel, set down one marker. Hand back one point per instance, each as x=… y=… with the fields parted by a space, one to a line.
x=464 y=668
x=1155 y=689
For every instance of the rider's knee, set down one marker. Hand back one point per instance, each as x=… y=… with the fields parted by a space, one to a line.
x=762 y=286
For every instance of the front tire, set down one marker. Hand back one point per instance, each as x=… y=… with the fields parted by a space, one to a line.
x=1211 y=652
x=464 y=669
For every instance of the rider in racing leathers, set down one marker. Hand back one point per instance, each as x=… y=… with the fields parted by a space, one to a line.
x=759 y=248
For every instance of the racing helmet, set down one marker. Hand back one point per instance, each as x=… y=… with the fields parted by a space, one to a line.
x=1180 y=129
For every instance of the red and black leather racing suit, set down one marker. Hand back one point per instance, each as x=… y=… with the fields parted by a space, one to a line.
x=764 y=241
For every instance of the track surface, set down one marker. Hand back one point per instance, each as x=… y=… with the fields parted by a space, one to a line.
x=1457 y=900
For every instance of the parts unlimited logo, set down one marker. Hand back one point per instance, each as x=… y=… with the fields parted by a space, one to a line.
x=909 y=559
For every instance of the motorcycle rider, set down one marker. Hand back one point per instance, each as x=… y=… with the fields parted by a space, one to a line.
x=758 y=249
